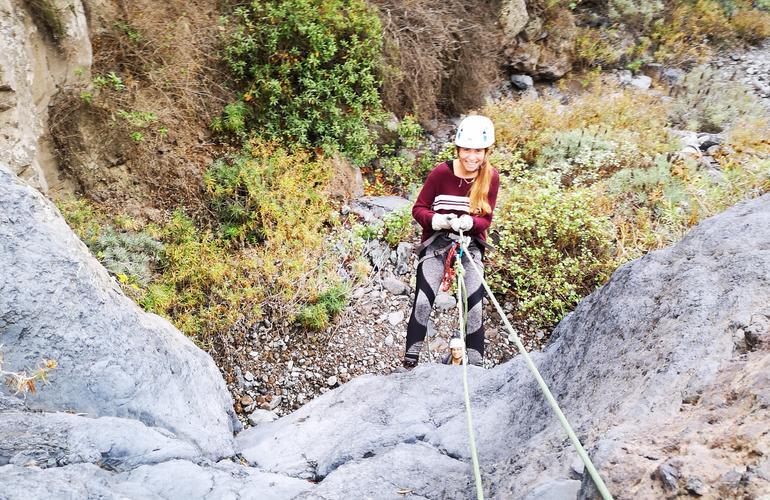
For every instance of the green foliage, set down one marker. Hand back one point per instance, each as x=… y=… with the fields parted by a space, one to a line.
x=410 y=133
x=110 y=80
x=397 y=226
x=310 y=71
x=131 y=33
x=762 y=5
x=319 y=314
x=638 y=13
x=552 y=249
x=265 y=190
x=583 y=156
x=139 y=119
x=133 y=255
x=314 y=317
x=130 y=255
x=708 y=103
x=233 y=119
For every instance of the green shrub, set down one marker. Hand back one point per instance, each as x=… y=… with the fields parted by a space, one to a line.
x=583 y=156
x=709 y=103
x=133 y=255
x=397 y=226
x=127 y=253
x=552 y=250
x=265 y=191
x=636 y=13
x=319 y=314
x=310 y=72
x=314 y=317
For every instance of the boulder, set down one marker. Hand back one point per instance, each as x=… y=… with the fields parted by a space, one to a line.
x=58 y=302
x=373 y=208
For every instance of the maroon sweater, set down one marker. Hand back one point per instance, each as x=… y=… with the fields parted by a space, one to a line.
x=445 y=193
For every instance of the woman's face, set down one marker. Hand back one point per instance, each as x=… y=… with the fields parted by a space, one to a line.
x=471 y=159
x=457 y=352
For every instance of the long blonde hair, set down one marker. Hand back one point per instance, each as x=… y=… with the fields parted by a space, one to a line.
x=479 y=195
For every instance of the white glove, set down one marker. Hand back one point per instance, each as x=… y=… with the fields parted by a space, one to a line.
x=462 y=223
x=442 y=221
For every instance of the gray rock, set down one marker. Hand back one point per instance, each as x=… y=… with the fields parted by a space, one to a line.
x=445 y=301
x=172 y=479
x=513 y=17
x=522 y=82
x=388 y=341
x=331 y=381
x=668 y=475
x=395 y=286
x=642 y=82
x=378 y=252
x=34 y=70
x=258 y=417
x=395 y=318
x=54 y=439
x=403 y=253
x=695 y=486
x=558 y=489
x=372 y=208
x=673 y=76
x=408 y=470
x=625 y=77
x=57 y=301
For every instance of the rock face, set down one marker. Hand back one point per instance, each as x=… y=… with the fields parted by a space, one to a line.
x=541 y=48
x=652 y=370
x=36 y=61
x=56 y=301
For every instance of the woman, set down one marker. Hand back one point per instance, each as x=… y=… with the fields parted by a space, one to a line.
x=458 y=195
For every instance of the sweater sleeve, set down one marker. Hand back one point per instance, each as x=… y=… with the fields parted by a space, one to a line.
x=422 y=210
x=482 y=222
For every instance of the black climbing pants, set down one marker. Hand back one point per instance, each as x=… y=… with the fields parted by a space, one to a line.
x=430 y=272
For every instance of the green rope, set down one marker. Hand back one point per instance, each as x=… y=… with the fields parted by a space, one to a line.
x=543 y=387
x=462 y=306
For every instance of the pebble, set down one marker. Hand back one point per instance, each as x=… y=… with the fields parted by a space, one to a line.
x=389 y=340
x=395 y=318
x=331 y=381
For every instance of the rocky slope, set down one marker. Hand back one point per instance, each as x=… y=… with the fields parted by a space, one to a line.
x=662 y=372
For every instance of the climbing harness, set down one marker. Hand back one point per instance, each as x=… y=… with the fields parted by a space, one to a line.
x=462 y=307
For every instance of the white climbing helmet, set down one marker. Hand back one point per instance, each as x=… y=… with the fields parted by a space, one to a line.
x=475 y=132
x=456 y=342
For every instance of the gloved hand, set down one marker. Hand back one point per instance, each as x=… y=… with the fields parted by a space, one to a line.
x=442 y=221
x=462 y=223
